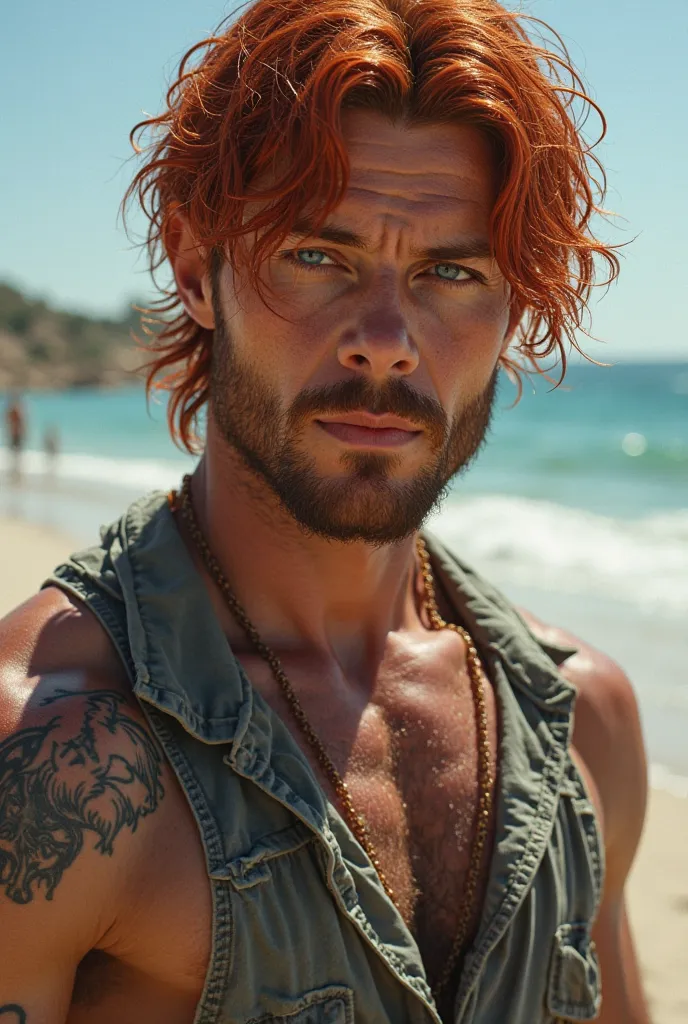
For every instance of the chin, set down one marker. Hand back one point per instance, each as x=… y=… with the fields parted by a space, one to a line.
x=354 y=510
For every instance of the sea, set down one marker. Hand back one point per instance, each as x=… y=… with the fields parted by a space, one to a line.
x=577 y=507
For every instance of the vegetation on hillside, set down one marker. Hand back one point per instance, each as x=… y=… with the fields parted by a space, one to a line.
x=43 y=347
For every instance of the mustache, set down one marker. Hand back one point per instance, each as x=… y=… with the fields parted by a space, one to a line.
x=394 y=398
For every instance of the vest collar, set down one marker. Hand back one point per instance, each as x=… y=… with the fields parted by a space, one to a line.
x=182 y=660
x=184 y=665
x=498 y=629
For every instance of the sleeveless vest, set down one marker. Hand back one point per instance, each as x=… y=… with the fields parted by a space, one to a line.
x=303 y=931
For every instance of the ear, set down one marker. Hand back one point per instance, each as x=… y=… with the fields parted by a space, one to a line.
x=191 y=271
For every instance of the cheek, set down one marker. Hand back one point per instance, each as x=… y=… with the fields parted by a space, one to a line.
x=484 y=314
x=279 y=335
x=466 y=342
x=259 y=338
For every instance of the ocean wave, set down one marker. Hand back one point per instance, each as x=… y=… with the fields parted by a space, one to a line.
x=525 y=541
x=137 y=475
x=542 y=544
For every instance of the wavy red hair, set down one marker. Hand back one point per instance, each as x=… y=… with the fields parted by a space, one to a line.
x=275 y=81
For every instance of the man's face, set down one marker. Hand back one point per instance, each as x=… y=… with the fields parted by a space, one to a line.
x=367 y=381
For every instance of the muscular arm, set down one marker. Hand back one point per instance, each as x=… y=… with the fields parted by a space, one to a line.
x=78 y=774
x=608 y=746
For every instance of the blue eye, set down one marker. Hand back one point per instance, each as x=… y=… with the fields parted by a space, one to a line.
x=453 y=274
x=311 y=257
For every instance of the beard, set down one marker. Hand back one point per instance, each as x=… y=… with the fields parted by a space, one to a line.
x=365 y=503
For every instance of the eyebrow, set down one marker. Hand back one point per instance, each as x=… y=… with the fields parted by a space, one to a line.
x=475 y=248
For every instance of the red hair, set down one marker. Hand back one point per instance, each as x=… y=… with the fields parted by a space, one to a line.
x=275 y=81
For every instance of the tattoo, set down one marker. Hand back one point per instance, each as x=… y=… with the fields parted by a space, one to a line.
x=55 y=786
x=19 y=1014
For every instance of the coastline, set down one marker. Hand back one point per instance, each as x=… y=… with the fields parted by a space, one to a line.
x=658 y=887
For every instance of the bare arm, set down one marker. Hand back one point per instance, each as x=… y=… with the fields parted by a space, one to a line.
x=78 y=773
x=608 y=738
x=609 y=747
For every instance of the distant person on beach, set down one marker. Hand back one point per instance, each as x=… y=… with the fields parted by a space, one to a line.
x=270 y=751
x=51 y=447
x=15 y=428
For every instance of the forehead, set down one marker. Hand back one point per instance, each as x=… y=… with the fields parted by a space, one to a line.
x=416 y=170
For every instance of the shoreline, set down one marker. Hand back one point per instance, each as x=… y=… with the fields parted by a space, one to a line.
x=658 y=886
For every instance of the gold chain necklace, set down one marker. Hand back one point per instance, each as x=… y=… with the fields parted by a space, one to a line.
x=356 y=823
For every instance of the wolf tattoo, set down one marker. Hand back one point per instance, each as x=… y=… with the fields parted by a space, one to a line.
x=56 y=785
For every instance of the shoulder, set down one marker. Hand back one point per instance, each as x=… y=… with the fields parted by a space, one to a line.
x=54 y=632
x=607 y=739
x=79 y=768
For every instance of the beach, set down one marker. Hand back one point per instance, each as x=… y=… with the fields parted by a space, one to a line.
x=658 y=889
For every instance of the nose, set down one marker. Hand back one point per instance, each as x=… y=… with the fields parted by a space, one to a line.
x=379 y=346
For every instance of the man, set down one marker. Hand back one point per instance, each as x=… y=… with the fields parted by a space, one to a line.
x=268 y=754
x=15 y=426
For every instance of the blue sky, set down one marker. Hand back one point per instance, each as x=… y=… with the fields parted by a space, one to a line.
x=75 y=77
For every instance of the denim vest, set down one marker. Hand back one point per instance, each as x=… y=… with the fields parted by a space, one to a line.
x=303 y=931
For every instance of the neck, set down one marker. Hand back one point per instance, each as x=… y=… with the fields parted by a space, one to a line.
x=305 y=593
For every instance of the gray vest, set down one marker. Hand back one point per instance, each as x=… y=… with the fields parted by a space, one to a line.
x=303 y=931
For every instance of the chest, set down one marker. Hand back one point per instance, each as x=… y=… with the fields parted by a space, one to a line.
x=408 y=750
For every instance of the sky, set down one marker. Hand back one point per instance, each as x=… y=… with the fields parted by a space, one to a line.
x=75 y=77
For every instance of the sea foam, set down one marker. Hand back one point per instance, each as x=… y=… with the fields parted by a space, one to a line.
x=542 y=544
x=125 y=474
x=527 y=541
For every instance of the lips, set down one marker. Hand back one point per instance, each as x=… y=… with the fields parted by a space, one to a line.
x=368 y=430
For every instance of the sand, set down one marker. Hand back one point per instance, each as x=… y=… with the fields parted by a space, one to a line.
x=658 y=887
x=658 y=900
x=27 y=555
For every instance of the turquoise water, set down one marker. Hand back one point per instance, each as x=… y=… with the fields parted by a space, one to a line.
x=576 y=508
x=584 y=487
x=565 y=446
